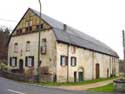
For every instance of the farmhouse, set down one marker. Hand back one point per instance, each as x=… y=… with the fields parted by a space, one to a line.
x=66 y=53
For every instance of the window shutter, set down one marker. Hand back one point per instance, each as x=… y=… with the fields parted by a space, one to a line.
x=26 y=61
x=61 y=60
x=75 y=61
x=15 y=61
x=10 y=61
x=66 y=58
x=32 y=60
x=71 y=61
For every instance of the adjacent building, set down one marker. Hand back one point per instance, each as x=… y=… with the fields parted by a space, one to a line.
x=66 y=53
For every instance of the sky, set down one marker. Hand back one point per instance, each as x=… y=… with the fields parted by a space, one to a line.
x=101 y=19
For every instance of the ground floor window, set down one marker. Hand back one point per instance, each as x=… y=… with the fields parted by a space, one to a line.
x=29 y=61
x=13 y=61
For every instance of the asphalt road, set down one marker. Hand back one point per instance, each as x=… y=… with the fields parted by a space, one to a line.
x=13 y=87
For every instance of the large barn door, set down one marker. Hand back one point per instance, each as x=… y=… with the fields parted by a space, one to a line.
x=97 y=71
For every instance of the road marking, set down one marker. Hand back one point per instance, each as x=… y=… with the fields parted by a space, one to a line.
x=17 y=92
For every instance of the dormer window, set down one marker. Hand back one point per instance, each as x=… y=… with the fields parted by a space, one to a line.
x=15 y=47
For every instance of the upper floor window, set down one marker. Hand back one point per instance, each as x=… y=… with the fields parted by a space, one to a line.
x=73 y=49
x=28 y=46
x=39 y=26
x=73 y=61
x=15 y=47
x=28 y=26
x=13 y=61
x=19 y=31
x=43 y=46
x=28 y=23
x=29 y=61
x=63 y=60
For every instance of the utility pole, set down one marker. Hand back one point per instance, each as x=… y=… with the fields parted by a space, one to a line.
x=123 y=35
x=39 y=37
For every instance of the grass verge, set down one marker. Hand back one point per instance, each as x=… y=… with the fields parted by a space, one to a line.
x=106 y=88
x=73 y=83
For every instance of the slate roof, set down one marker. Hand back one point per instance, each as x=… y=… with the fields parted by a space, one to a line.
x=75 y=37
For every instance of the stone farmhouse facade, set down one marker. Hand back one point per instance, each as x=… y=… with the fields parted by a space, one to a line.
x=66 y=53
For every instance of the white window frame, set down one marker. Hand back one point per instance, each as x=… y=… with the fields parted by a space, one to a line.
x=28 y=46
x=29 y=62
x=15 y=47
x=73 y=61
x=63 y=60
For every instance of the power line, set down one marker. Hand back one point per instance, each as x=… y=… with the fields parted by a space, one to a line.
x=7 y=20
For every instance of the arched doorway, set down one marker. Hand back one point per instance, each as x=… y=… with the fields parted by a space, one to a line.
x=21 y=65
x=97 y=71
x=81 y=74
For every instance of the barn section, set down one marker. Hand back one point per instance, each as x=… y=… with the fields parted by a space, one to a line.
x=70 y=55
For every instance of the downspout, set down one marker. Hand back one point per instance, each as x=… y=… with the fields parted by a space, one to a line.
x=110 y=66
x=64 y=30
x=68 y=62
x=93 y=65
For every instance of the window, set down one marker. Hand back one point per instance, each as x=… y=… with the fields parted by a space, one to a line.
x=43 y=47
x=73 y=50
x=15 y=47
x=19 y=31
x=63 y=60
x=39 y=26
x=13 y=61
x=29 y=61
x=73 y=61
x=28 y=23
x=28 y=26
x=28 y=46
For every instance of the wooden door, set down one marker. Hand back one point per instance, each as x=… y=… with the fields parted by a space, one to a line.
x=75 y=76
x=21 y=65
x=107 y=73
x=97 y=71
x=80 y=76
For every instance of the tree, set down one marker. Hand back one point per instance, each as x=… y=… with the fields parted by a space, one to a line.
x=4 y=36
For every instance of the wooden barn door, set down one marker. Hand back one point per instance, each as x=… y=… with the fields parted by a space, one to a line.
x=97 y=71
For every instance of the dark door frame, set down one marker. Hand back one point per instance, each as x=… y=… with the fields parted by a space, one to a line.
x=97 y=71
x=21 y=63
x=75 y=76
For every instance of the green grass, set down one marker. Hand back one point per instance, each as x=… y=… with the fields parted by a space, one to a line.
x=107 y=88
x=73 y=83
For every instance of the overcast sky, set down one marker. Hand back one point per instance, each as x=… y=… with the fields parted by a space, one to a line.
x=102 y=19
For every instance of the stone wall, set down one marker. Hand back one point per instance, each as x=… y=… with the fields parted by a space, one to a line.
x=48 y=59
x=86 y=60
